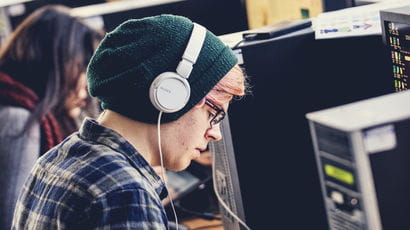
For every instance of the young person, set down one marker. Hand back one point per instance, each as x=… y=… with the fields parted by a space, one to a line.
x=165 y=83
x=41 y=67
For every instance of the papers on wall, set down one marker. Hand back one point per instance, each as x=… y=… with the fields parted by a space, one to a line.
x=355 y=21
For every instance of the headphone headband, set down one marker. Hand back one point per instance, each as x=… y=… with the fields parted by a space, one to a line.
x=192 y=51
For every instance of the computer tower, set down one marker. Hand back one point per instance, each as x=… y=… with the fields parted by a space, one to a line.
x=362 y=150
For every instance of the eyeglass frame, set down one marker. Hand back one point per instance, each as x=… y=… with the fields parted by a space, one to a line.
x=219 y=113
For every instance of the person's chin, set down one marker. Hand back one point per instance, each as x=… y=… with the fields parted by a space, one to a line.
x=182 y=165
x=75 y=113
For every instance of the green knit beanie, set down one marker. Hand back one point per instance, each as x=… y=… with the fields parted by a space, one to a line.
x=130 y=57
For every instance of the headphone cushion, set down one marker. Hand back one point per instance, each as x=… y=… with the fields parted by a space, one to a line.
x=169 y=92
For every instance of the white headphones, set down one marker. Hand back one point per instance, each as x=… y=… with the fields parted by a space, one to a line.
x=170 y=91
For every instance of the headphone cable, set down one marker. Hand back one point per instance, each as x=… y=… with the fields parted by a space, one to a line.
x=163 y=169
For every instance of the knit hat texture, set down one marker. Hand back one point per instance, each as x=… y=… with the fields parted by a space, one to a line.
x=130 y=57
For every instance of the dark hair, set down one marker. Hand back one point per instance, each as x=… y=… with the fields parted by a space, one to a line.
x=48 y=52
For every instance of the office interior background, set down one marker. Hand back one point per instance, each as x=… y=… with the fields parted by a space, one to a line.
x=277 y=167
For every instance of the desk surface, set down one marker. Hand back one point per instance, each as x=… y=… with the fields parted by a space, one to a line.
x=198 y=223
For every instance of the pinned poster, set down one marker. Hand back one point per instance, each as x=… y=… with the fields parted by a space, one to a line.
x=355 y=21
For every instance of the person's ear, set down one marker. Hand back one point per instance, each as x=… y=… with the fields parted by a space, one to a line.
x=200 y=103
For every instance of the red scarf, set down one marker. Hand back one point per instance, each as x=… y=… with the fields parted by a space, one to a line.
x=14 y=93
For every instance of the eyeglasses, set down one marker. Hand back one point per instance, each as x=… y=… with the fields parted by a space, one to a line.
x=219 y=115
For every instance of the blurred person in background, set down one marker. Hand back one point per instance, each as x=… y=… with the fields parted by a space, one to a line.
x=42 y=93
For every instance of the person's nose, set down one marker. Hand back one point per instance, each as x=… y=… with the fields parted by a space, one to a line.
x=82 y=94
x=214 y=133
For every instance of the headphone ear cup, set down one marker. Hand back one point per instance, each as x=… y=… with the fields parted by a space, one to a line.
x=169 y=92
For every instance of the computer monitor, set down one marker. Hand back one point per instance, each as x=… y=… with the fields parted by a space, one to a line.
x=362 y=151
x=331 y=5
x=5 y=27
x=292 y=75
x=71 y=3
x=220 y=17
x=18 y=10
x=187 y=181
x=226 y=181
x=396 y=37
x=12 y=13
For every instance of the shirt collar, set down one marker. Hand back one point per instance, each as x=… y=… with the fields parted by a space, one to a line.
x=92 y=131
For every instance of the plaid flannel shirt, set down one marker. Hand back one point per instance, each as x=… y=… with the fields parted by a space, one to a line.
x=94 y=179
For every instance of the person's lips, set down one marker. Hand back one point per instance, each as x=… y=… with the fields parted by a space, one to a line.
x=81 y=103
x=197 y=153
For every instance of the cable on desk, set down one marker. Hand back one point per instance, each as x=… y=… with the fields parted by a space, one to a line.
x=206 y=227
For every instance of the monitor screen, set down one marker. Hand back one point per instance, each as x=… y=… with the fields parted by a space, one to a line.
x=184 y=182
x=398 y=43
x=396 y=36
